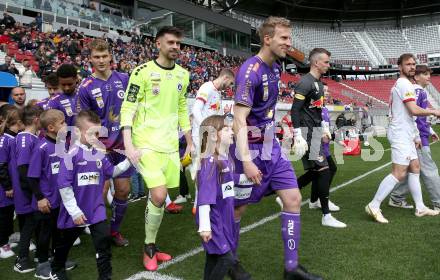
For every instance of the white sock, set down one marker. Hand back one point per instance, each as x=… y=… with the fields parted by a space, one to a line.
x=416 y=190
x=195 y=198
x=167 y=200
x=385 y=188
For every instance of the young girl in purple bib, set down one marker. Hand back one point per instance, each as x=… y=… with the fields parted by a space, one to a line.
x=215 y=203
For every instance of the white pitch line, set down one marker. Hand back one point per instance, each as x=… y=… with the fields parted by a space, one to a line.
x=154 y=276
x=195 y=251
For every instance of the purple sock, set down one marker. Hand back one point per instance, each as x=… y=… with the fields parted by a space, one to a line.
x=118 y=211
x=290 y=232
x=236 y=238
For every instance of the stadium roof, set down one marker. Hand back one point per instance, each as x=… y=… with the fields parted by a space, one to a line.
x=334 y=10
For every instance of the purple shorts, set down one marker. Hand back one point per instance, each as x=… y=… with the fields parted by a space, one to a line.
x=278 y=174
x=115 y=158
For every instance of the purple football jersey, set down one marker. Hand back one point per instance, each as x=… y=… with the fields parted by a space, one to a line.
x=105 y=98
x=25 y=143
x=87 y=180
x=45 y=164
x=326 y=118
x=216 y=188
x=21 y=202
x=4 y=157
x=68 y=104
x=257 y=88
x=422 y=121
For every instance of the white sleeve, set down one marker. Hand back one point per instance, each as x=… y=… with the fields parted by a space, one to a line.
x=197 y=112
x=121 y=168
x=431 y=131
x=204 y=220
x=406 y=91
x=69 y=202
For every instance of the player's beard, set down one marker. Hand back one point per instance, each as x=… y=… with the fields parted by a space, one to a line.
x=409 y=75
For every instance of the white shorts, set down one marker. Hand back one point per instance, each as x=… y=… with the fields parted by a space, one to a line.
x=403 y=152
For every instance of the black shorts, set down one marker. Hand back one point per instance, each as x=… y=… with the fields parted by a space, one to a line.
x=314 y=158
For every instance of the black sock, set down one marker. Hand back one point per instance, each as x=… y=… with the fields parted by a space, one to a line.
x=323 y=187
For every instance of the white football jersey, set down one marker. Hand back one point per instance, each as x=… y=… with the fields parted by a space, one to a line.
x=211 y=98
x=401 y=121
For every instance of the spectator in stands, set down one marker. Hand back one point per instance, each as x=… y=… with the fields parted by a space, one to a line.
x=8 y=20
x=18 y=94
x=5 y=39
x=39 y=22
x=26 y=74
x=85 y=72
x=8 y=66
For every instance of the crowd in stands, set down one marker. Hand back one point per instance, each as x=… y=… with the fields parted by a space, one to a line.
x=50 y=50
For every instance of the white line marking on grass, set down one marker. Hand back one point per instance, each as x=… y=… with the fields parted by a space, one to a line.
x=195 y=251
x=153 y=276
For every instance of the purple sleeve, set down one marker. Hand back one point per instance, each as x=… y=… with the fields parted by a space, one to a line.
x=52 y=104
x=84 y=100
x=4 y=155
x=421 y=96
x=65 y=176
x=245 y=83
x=325 y=115
x=23 y=149
x=107 y=168
x=207 y=182
x=36 y=163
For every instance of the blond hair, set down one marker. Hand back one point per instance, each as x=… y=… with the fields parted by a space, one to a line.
x=268 y=26
x=99 y=45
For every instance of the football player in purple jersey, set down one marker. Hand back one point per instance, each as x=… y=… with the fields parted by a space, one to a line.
x=103 y=92
x=266 y=170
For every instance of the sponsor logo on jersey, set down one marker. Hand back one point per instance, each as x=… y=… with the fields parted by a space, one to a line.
x=242 y=193
x=248 y=71
x=96 y=91
x=132 y=93
x=269 y=114
x=88 y=178
x=169 y=76
x=118 y=84
x=244 y=181
x=155 y=76
x=55 y=167
x=317 y=103
x=228 y=189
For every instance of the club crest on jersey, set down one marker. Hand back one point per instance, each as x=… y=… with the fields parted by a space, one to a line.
x=98 y=163
x=99 y=101
x=68 y=110
x=155 y=89
x=179 y=86
x=121 y=94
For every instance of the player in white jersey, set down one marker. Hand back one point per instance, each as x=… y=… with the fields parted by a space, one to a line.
x=208 y=100
x=403 y=137
x=208 y=103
